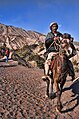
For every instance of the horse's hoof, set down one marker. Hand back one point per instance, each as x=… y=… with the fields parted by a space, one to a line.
x=44 y=78
x=58 y=110
x=46 y=96
x=52 y=95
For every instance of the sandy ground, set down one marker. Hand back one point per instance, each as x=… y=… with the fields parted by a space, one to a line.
x=22 y=95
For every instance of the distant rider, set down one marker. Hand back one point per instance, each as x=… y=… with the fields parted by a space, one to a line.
x=5 y=51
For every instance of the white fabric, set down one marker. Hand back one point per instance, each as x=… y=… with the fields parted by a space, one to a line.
x=48 y=61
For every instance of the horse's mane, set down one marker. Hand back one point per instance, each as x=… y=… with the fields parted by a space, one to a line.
x=58 y=59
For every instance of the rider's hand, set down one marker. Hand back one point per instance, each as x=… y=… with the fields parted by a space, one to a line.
x=56 y=38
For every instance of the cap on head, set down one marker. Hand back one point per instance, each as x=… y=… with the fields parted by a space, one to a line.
x=66 y=36
x=53 y=24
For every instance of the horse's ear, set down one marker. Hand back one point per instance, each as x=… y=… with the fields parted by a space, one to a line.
x=72 y=39
x=61 y=41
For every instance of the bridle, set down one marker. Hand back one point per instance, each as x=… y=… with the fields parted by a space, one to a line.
x=65 y=47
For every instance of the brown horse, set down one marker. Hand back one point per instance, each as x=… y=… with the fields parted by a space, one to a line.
x=60 y=67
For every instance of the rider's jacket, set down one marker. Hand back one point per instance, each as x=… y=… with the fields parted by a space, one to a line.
x=50 y=45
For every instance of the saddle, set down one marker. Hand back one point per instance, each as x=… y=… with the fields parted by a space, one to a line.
x=52 y=64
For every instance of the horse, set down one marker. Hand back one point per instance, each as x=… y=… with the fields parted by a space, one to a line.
x=60 y=67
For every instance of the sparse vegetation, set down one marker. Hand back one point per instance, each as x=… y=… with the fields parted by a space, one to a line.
x=74 y=62
x=76 y=69
x=27 y=54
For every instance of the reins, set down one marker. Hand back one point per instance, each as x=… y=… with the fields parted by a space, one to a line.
x=56 y=45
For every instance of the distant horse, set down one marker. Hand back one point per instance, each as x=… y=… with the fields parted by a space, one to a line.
x=60 y=67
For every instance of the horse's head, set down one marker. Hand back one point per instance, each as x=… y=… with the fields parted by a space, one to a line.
x=67 y=46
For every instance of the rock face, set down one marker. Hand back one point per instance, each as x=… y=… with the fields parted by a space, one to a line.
x=26 y=42
x=16 y=38
x=75 y=59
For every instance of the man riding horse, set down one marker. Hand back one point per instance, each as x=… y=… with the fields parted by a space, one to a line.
x=52 y=43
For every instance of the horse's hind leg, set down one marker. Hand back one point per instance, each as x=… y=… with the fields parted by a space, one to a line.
x=51 y=93
x=47 y=90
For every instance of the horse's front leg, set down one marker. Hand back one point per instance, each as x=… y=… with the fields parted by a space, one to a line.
x=59 y=104
x=63 y=80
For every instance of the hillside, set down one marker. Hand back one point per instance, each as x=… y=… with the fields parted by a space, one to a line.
x=28 y=46
x=25 y=44
x=16 y=38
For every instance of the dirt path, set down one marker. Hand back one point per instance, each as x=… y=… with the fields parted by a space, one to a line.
x=22 y=96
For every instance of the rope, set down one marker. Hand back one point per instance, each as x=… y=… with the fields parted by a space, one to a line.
x=55 y=44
